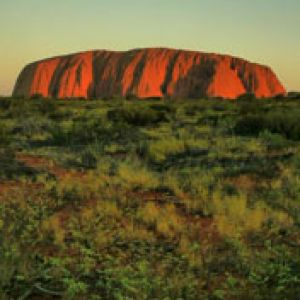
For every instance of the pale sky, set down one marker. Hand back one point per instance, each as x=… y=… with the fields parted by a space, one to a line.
x=262 y=31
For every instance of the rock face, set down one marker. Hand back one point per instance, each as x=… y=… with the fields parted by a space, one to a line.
x=146 y=73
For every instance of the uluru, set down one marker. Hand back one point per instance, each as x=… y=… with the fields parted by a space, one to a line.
x=146 y=73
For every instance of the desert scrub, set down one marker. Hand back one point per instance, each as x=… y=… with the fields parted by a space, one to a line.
x=284 y=123
x=148 y=200
x=161 y=150
x=88 y=158
x=4 y=134
x=195 y=188
x=278 y=270
x=53 y=230
x=233 y=216
x=75 y=188
x=136 y=115
x=134 y=175
x=274 y=141
x=164 y=220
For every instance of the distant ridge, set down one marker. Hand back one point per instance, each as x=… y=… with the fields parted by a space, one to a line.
x=146 y=73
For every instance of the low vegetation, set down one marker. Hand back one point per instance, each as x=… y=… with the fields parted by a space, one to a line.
x=127 y=199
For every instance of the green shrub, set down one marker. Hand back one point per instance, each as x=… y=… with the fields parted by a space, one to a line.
x=249 y=107
x=4 y=134
x=137 y=116
x=36 y=96
x=285 y=123
x=11 y=168
x=278 y=271
x=167 y=108
x=246 y=97
x=88 y=159
x=19 y=108
x=5 y=103
x=273 y=141
x=32 y=125
x=47 y=107
x=250 y=125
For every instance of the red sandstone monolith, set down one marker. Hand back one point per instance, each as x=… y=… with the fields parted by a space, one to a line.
x=146 y=73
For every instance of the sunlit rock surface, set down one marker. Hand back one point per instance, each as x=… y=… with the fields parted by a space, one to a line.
x=146 y=73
